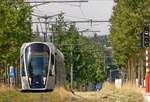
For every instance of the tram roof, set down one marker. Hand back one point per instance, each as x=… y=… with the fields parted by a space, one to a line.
x=29 y=43
x=24 y=45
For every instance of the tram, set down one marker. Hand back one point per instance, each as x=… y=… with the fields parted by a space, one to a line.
x=41 y=67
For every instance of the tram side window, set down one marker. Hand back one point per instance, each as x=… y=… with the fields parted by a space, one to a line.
x=23 y=69
x=52 y=63
x=52 y=59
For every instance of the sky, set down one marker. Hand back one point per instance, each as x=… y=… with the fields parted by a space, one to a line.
x=93 y=9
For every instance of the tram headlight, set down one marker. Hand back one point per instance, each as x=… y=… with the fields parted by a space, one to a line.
x=29 y=80
x=44 y=80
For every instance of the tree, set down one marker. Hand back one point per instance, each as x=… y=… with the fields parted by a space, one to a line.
x=126 y=21
x=87 y=66
x=15 y=29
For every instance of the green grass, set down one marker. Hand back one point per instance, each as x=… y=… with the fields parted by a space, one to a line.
x=61 y=95
x=15 y=96
x=58 y=95
x=124 y=95
x=128 y=93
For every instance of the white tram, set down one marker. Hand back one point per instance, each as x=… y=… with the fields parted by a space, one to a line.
x=41 y=67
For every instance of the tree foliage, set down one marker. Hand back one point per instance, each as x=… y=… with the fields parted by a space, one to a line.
x=79 y=51
x=127 y=21
x=15 y=28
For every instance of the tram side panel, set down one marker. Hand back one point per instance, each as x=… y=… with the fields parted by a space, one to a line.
x=60 y=70
x=23 y=75
x=51 y=76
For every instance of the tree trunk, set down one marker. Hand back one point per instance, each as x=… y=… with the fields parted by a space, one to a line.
x=123 y=73
x=141 y=66
x=139 y=71
x=129 y=68
x=134 y=70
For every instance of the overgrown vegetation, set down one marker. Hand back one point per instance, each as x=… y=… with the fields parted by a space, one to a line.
x=127 y=21
x=12 y=95
x=82 y=53
x=108 y=94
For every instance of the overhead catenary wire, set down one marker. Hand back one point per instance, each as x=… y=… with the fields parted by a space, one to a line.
x=45 y=22
x=42 y=13
x=41 y=25
x=85 y=21
x=100 y=0
x=65 y=15
x=39 y=3
x=46 y=17
x=57 y=1
x=82 y=11
x=76 y=17
x=39 y=10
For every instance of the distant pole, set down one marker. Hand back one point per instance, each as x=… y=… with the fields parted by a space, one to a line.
x=71 y=75
x=45 y=34
x=52 y=35
x=71 y=71
x=105 y=59
x=104 y=62
x=110 y=75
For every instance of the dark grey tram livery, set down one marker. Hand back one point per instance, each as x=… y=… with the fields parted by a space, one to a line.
x=41 y=67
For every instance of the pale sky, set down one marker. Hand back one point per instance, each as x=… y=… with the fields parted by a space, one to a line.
x=93 y=9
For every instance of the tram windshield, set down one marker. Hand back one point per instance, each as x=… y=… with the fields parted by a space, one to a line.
x=37 y=60
x=38 y=65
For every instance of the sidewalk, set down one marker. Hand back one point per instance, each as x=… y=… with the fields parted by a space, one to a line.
x=146 y=96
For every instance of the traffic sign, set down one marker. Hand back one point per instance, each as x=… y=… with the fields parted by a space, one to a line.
x=146 y=35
